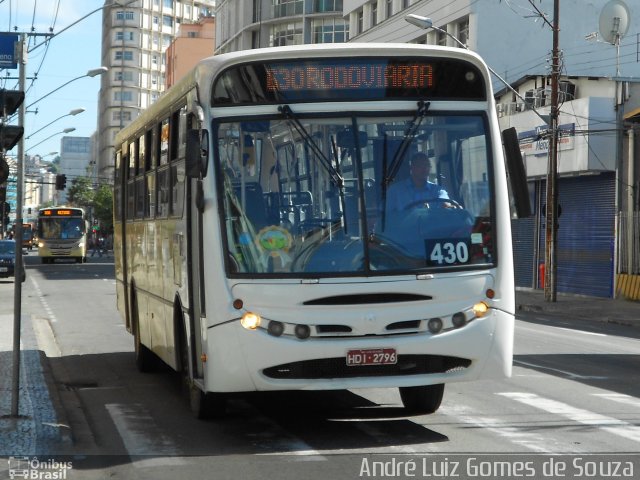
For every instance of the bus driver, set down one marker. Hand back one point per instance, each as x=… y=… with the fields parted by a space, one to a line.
x=416 y=187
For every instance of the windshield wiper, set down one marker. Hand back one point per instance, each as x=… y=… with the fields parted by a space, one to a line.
x=406 y=141
x=337 y=179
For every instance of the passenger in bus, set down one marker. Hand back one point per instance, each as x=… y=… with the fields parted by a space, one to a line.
x=416 y=187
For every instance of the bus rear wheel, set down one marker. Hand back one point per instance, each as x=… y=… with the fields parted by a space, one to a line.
x=424 y=399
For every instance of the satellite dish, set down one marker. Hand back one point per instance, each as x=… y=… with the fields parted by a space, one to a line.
x=614 y=21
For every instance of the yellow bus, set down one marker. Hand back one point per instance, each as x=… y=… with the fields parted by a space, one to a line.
x=62 y=233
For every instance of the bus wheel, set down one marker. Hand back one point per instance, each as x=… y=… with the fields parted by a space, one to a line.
x=203 y=405
x=424 y=399
x=145 y=359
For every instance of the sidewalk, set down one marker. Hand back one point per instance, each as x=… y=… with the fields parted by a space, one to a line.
x=38 y=429
x=609 y=310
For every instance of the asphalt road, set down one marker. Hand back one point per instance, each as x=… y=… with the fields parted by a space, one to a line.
x=573 y=393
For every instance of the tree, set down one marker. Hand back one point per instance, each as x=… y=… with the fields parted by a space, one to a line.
x=103 y=207
x=80 y=193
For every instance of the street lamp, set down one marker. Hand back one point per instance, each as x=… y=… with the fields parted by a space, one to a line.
x=73 y=112
x=426 y=23
x=66 y=130
x=91 y=73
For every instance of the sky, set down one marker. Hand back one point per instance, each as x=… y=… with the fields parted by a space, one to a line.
x=69 y=55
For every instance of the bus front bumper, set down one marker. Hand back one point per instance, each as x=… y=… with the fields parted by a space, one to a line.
x=246 y=360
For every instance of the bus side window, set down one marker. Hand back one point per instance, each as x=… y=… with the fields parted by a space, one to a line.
x=162 y=207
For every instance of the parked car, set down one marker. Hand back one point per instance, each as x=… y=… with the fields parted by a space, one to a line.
x=8 y=259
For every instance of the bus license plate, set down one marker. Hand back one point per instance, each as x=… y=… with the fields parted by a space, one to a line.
x=4 y=269
x=372 y=356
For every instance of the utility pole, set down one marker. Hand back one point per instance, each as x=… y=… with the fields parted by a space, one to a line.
x=17 y=285
x=551 y=231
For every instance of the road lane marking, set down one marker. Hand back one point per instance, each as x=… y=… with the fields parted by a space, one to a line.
x=571 y=375
x=514 y=434
x=45 y=304
x=142 y=437
x=584 y=332
x=585 y=417
x=620 y=398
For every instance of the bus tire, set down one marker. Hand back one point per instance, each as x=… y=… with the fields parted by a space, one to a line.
x=145 y=359
x=424 y=399
x=203 y=405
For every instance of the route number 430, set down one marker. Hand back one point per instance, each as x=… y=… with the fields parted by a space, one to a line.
x=448 y=252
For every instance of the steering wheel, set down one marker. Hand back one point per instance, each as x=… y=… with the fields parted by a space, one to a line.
x=426 y=203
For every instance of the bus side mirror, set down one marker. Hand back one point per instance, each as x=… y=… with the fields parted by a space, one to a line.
x=517 y=175
x=197 y=153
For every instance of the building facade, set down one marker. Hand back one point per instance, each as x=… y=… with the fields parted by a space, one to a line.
x=134 y=39
x=246 y=24
x=75 y=161
x=193 y=42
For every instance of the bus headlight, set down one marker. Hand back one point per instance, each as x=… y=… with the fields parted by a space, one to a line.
x=250 y=321
x=480 y=309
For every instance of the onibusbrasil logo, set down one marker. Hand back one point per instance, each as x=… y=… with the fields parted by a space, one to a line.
x=34 y=468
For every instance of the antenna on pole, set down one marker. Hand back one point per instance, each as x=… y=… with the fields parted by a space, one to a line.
x=614 y=24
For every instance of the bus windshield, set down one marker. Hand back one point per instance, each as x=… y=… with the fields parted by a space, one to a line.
x=61 y=228
x=356 y=195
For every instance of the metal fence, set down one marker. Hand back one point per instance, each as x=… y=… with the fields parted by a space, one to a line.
x=629 y=243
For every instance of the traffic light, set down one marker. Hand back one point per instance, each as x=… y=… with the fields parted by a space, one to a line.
x=10 y=135
x=4 y=168
x=61 y=181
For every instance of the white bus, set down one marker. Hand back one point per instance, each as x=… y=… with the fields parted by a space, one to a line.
x=256 y=247
x=62 y=233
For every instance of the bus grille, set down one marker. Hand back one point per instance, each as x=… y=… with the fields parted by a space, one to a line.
x=337 y=367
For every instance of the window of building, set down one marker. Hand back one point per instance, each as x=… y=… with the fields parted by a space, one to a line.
x=374 y=13
x=166 y=40
x=192 y=34
x=168 y=3
x=167 y=21
x=360 y=21
x=287 y=8
x=124 y=36
x=125 y=76
x=76 y=145
x=123 y=96
x=329 y=30
x=126 y=55
x=118 y=115
x=321 y=6
x=441 y=36
x=124 y=15
x=463 y=30
x=286 y=34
